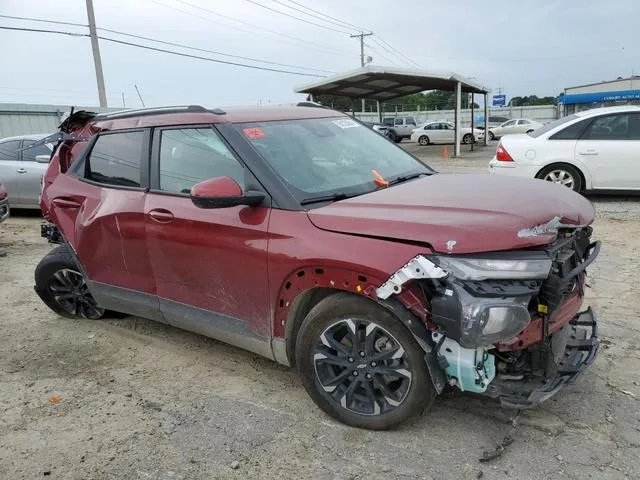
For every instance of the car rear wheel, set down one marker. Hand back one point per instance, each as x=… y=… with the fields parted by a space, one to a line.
x=468 y=139
x=529 y=131
x=392 y=136
x=361 y=365
x=423 y=140
x=491 y=136
x=63 y=288
x=562 y=174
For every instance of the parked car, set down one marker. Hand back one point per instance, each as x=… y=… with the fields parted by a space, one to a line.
x=4 y=203
x=381 y=128
x=303 y=236
x=516 y=125
x=21 y=168
x=494 y=121
x=592 y=150
x=399 y=127
x=444 y=132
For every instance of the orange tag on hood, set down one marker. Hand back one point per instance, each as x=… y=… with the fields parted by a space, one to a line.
x=379 y=179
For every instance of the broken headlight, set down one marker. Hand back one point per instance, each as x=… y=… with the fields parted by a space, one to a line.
x=529 y=265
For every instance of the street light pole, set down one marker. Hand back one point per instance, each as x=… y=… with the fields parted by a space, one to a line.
x=96 y=54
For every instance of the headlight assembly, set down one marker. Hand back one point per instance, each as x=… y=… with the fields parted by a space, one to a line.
x=532 y=267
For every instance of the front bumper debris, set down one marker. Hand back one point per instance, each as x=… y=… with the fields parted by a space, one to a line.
x=51 y=233
x=573 y=349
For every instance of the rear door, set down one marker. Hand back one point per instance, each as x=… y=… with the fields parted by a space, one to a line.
x=210 y=265
x=11 y=169
x=99 y=207
x=33 y=171
x=610 y=148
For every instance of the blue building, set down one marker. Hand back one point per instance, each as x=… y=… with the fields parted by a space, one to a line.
x=622 y=91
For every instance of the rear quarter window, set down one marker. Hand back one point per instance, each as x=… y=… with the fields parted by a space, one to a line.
x=115 y=159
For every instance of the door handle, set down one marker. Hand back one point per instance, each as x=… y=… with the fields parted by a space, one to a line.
x=21 y=170
x=589 y=152
x=161 y=215
x=66 y=203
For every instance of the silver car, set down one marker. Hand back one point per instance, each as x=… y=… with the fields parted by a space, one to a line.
x=21 y=169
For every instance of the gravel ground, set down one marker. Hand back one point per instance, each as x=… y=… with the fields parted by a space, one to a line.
x=129 y=398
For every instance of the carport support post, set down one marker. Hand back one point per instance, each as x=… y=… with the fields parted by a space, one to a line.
x=486 y=118
x=379 y=111
x=456 y=144
x=472 y=122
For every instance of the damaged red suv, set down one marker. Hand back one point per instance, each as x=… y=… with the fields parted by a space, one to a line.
x=303 y=236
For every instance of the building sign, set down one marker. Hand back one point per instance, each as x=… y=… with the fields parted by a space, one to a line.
x=499 y=100
x=620 y=96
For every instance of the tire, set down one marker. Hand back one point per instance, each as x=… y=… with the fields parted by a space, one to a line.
x=347 y=383
x=423 y=140
x=562 y=174
x=62 y=287
x=468 y=139
x=392 y=136
x=491 y=136
x=529 y=131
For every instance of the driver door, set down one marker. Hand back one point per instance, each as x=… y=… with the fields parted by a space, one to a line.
x=209 y=265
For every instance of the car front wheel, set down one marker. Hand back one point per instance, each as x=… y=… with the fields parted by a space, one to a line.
x=361 y=365
x=562 y=174
x=63 y=288
x=423 y=140
x=491 y=136
x=468 y=139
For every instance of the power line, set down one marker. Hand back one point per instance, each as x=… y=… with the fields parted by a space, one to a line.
x=398 y=52
x=297 y=18
x=328 y=16
x=330 y=21
x=380 y=54
x=44 y=21
x=146 y=47
x=173 y=44
x=257 y=28
x=206 y=58
x=141 y=37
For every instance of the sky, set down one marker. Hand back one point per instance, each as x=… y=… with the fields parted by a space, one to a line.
x=522 y=48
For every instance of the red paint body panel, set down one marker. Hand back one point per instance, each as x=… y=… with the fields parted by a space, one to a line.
x=212 y=259
x=295 y=245
x=480 y=213
x=106 y=231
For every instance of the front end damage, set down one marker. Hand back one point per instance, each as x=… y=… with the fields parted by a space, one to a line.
x=506 y=324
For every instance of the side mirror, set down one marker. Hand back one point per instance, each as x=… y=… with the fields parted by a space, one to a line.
x=222 y=192
x=43 y=158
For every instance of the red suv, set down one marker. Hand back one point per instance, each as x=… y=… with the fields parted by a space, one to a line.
x=303 y=236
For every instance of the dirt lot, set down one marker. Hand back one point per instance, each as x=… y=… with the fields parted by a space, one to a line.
x=128 y=398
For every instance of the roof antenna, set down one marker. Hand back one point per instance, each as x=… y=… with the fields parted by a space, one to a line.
x=139 y=96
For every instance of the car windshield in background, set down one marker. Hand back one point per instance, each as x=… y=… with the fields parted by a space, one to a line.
x=551 y=125
x=327 y=156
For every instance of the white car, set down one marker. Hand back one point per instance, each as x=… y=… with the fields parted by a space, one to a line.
x=516 y=125
x=444 y=132
x=595 y=149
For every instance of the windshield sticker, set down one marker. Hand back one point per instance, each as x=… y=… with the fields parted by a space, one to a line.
x=254 y=133
x=345 y=123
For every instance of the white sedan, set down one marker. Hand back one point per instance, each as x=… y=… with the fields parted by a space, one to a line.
x=516 y=125
x=444 y=132
x=595 y=149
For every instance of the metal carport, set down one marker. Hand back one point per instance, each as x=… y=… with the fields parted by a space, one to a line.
x=386 y=83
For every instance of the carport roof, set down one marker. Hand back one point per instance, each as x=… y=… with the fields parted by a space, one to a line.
x=387 y=83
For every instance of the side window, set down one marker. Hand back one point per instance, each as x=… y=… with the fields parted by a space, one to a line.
x=29 y=155
x=410 y=121
x=398 y=121
x=510 y=123
x=191 y=155
x=115 y=159
x=9 y=150
x=610 y=127
x=634 y=127
x=523 y=122
x=572 y=132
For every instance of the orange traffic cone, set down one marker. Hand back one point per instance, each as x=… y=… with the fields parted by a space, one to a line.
x=445 y=152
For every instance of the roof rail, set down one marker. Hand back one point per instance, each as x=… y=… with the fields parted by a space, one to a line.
x=156 y=111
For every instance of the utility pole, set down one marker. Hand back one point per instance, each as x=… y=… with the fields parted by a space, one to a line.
x=361 y=35
x=96 y=54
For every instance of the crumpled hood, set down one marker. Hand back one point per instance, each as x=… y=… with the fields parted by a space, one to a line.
x=461 y=213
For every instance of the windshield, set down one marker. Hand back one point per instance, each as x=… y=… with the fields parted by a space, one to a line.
x=551 y=125
x=326 y=156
